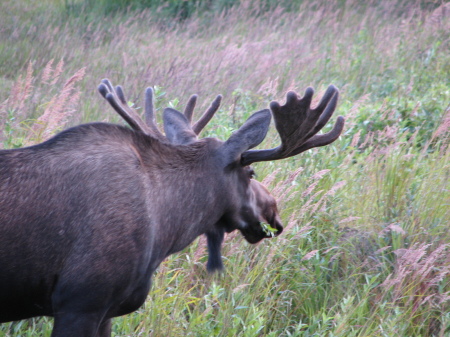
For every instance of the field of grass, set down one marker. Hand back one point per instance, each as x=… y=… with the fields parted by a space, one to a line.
x=366 y=246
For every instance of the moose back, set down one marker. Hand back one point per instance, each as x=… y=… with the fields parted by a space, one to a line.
x=87 y=216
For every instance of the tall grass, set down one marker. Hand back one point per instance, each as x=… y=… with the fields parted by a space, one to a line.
x=365 y=247
x=182 y=10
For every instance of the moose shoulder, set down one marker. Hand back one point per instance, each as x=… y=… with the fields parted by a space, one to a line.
x=87 y=216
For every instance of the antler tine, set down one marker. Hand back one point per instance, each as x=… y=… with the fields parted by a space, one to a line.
x=298 y=124
x=120 y=94
x=206 y=117
x=150 y=113
x=116 y=99
x=190 y=106
x=105 y=90
x=322 y=140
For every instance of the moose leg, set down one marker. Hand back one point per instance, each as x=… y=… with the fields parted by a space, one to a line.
x=77 y=325
x=80 y=308
x=214 y=240
x=105 y=329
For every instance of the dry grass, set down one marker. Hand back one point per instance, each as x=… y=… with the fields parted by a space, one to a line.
x=32 y=94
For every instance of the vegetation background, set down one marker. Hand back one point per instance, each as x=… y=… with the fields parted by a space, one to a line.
x=365 y=250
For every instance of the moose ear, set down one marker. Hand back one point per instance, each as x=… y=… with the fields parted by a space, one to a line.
x=177 y=128
x=249 y=135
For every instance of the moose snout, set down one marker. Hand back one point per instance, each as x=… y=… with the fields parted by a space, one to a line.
x=266 y=210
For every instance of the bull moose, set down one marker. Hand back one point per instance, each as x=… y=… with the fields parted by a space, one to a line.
x=87 y=216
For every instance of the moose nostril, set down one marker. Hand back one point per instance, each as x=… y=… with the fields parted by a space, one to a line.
x=275 y=223
x=279 y=227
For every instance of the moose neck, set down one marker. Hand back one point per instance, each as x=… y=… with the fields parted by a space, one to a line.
x=182 y=192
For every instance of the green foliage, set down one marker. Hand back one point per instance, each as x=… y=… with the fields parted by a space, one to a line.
x=10 y=139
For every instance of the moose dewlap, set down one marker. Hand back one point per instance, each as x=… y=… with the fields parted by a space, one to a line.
x=87 y=216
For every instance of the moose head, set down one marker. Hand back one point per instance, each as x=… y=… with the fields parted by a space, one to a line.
x=87 y=216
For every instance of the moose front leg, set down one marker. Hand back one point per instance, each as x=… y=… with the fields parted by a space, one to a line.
x=105 y=329
x=69 y=324
x=214 y=240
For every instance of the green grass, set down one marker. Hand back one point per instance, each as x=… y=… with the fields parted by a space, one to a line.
x=365 y=250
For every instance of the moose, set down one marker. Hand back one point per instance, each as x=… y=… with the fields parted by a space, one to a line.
x=87 y=216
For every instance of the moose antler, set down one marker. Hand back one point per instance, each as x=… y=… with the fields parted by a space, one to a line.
x=116 y=99
x=298 y=124
x=207 y=115
x=198 y=126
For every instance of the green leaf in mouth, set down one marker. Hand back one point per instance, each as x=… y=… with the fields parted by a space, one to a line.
x=268 y=229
